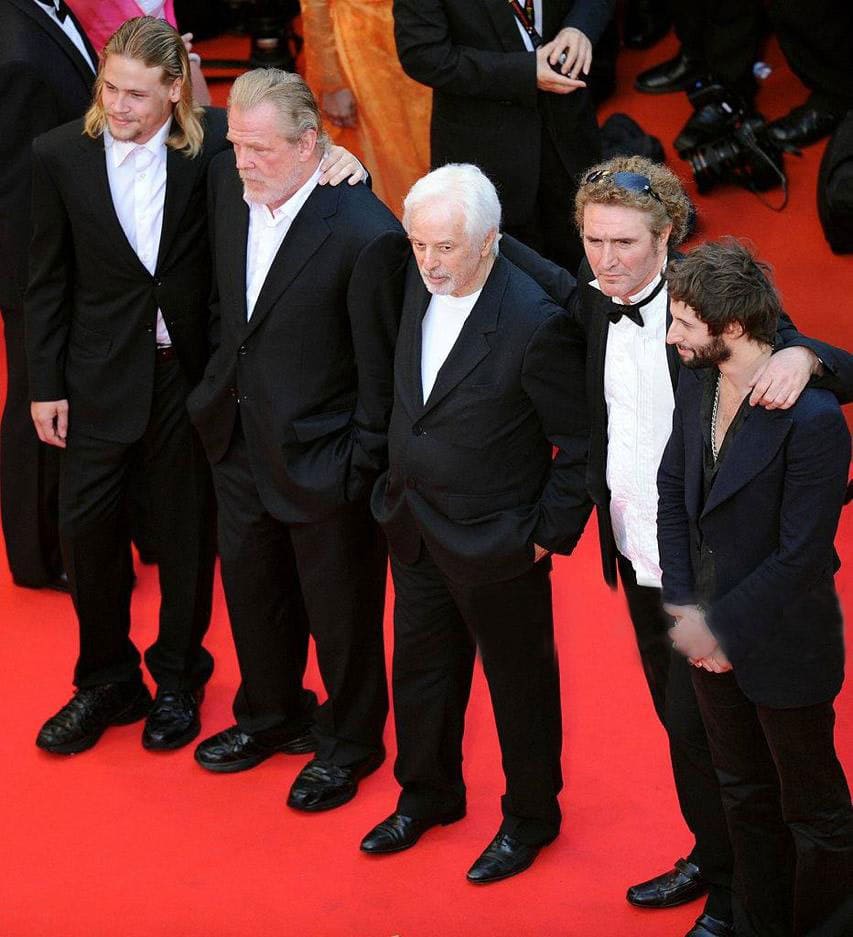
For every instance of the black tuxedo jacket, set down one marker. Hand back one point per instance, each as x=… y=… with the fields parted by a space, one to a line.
x=91 y=304
x=471 y=469
x=768 y=524
x=486 y=108
x=311 y=371
x=589 y=307
x=45 y=82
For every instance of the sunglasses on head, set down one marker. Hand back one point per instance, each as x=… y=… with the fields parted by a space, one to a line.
x=630 y=181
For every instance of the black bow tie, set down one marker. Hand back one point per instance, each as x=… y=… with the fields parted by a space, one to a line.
x=59 y=7
x=632 y=312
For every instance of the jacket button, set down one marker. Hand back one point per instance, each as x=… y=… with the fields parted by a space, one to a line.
x=149 y=329
x=411 y=483
x=242 y=350
x=418 y=430
x=158 y=282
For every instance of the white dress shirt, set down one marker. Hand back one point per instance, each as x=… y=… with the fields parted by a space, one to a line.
x=137 y=176
x=267 y=230
x=537 y=22
x=70 y=30
x=639 y=397
x=440 y=328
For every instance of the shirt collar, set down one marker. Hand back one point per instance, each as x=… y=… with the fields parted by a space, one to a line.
x=119 y=150
x=288 y=210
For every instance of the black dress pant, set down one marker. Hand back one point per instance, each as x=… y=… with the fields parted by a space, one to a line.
x=283 y=581
x=93 y=521
x=29 y=473
x=438 y=624
x=669 y=680
x=550 y=230
x=788 y=809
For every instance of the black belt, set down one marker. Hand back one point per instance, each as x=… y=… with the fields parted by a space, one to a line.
x=166 y=353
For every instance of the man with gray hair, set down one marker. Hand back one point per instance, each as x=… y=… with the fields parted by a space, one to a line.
x=292 y=412
x=488 y=379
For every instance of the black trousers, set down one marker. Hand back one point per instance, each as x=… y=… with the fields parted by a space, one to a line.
x=788 y=809
x=93 y=521
x=551 y=228
x=283 y=581
x=438 y=624
x=29 y=473
x=668 y=675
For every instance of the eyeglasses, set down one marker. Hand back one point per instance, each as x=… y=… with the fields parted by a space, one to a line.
x=630 y=181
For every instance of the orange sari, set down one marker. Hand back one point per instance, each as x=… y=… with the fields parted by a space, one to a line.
x=350 y=43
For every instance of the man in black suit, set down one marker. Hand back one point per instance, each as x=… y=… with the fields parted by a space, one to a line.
x=47 y=68
x=499 y=103
x=633 y=214
x=116 y=336
x=293 y=410
x=749 y=506
x=488 y=378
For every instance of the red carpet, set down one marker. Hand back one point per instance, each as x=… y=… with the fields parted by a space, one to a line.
x=118 y=842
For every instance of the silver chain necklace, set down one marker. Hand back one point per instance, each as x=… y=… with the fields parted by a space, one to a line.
x=714 y=448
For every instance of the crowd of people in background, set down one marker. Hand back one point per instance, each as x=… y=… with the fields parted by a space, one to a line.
x=219 y=338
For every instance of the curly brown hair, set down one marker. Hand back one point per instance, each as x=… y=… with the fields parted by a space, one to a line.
x=672 y=206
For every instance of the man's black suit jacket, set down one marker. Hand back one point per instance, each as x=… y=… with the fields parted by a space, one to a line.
x=486 y=108
x=91 y=304
x=589 y=307
x=768 y=524
x=471 y=470
x=45 y=82
x=311 y=371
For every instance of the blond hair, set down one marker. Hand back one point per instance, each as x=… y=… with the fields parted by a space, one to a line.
x=157 y=45
x=672 y=206
x=288 y=94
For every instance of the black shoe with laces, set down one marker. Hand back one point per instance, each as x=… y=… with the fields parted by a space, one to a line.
x=173 y=720
x=83 y=719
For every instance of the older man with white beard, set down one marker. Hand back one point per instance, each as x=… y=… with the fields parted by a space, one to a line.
x=488 y=378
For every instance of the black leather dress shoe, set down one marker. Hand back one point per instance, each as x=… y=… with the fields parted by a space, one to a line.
x=710 y=122
x=707 y=926
x=399 y=832
x=676 y=74
x=645 y=22
x=803 y=125
x=174 y=719
x=502 y=858
x=83 y=719
x=321 y=785
x=233 y=750
x=681 y=884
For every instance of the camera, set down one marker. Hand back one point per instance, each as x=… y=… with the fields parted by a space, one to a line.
x=743 y=154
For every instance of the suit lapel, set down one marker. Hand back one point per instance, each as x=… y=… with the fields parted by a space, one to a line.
x=410 y=340
x=44 y=21
x=309 y=230
x=473 y=343
x=231 y=262
x=91 y=166
x=180 y=175
x=752 y=449
x=504 y=23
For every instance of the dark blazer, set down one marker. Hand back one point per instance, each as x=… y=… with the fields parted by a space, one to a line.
x=91 y=304
x=311 y=371
x=45 y=82
x=471 y=470
x=768 y=523
x=589 y=307
x=486 y=107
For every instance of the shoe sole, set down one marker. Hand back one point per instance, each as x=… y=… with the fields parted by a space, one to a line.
x=137 y=710
x=682 y=87
x=455 y=818
x=340 y=800
x=301 y=745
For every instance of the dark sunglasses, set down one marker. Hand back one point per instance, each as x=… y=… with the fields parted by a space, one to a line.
x=630 y=181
